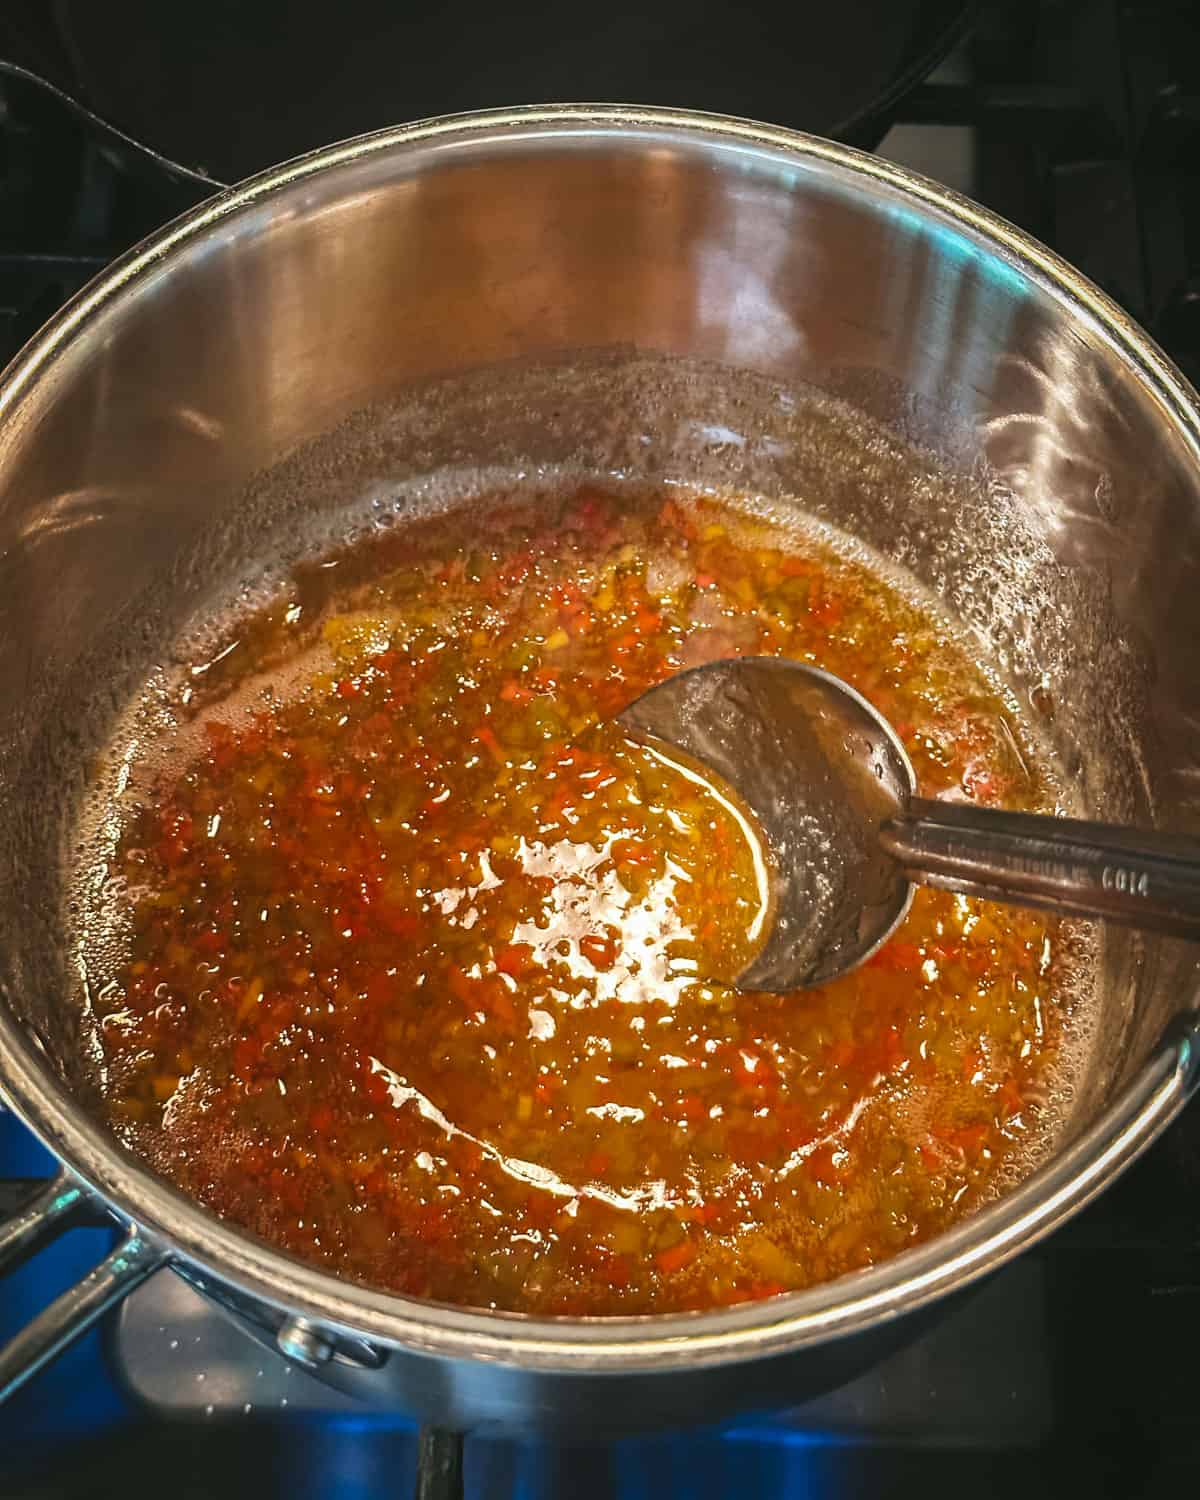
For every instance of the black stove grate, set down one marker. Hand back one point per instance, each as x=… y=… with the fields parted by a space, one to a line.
x=1083 y=115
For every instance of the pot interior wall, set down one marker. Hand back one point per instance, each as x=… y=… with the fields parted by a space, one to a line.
x=401 y=326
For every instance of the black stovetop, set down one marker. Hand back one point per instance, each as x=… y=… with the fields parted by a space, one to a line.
x=1080 y=121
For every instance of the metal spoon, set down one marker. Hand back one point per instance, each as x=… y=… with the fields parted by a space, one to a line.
x=834 y=795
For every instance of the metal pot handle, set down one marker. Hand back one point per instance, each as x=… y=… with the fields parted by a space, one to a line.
x=62 y=1204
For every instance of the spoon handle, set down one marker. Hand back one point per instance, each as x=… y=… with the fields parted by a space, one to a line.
x=1140 y=878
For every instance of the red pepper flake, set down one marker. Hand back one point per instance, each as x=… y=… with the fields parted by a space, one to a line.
x=932 y=1154
x=469 y=1156
x=547 y=1086
x=973 y=1062
x=462 y=987
x=431 y=1222
x=826 y=610
x=542 y=1209
x=984 y=785
x=720 y=1214
x=600 y=949
x=674 y=1259
x=897 y=956
x=827 y=1165
x=946 y=1144
x=374 y=1085
x=486 y=736
x=515 y=960
x=730 y=1296
x=636 y=852
x=286 y=1189
x=752 y=1070
x=794 y=1124
x=888 y=1050
x=400 y=923
x=499 y=1005
x=673 y=516
x=222 y=749
x=968 y=1138
x=1010 y=1097
x=593 y=514
x=253 y=1160
x=247 y=1053
x=376 y=1183
x=175 y=846
x=842 y=1054
x=618 y=1270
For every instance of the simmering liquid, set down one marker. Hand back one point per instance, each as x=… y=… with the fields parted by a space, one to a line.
x=422 y=972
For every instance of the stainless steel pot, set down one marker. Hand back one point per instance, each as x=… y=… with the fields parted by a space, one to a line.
x=1020 y=447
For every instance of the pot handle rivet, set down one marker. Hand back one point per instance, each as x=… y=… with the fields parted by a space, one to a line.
x=298 y=1340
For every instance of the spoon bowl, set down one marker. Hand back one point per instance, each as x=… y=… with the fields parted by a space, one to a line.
x=820 y=771
x=833 y=795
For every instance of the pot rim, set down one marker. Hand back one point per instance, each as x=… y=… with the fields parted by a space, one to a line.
x=203 y=1246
